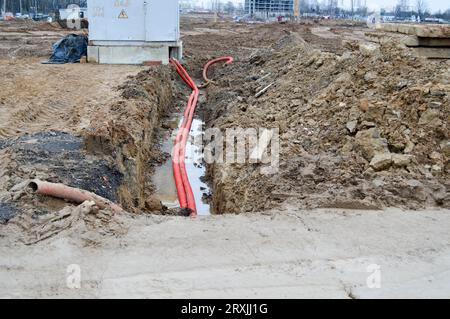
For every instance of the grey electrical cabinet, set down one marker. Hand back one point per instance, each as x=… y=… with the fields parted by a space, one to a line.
x=133 y=32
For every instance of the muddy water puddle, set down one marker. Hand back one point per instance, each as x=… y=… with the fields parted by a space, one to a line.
x=163 y=177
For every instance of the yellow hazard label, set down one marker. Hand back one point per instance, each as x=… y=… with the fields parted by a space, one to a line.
x=123 y=14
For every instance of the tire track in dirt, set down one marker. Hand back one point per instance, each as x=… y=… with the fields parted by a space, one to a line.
x=32 y=119
x=37 y=97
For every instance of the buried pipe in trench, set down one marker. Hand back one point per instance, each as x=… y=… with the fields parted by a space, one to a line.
x=72 y=194
x=184 y=189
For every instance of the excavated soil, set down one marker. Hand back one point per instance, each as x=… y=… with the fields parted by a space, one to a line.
x=128 y=132
x=108 y=146
x=116 y=129
x=363 y=122
x=95 y=127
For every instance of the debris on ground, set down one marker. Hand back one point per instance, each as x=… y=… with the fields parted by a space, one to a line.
x=365 y=123
x=70 y=49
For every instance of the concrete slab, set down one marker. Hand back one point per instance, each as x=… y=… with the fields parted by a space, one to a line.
x=133 y=53
x=93 y=56
x=415 y=41
x=433 y=53
x=420 y=30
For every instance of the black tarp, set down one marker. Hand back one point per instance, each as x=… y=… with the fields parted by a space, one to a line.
x=69 y=49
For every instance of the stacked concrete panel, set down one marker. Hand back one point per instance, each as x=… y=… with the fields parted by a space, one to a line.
x=429 y=40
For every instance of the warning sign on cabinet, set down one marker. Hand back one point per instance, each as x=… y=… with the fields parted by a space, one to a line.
x=123 y=14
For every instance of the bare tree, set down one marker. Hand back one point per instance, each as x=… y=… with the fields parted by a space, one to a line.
x=404 y=4
x=402 y=8
x=229 y=7
x=332 y=6
x=422 y=8
x=353 y=8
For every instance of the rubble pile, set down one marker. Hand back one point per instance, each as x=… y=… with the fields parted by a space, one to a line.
x=364 y=129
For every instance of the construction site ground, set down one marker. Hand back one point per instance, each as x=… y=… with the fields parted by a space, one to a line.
x=361 y=192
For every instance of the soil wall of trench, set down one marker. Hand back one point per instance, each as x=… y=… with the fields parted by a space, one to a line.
x=365 y=129
x=114 y=157
x=130 y=136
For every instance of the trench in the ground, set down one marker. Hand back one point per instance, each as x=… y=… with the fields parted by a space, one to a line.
x=162 y=179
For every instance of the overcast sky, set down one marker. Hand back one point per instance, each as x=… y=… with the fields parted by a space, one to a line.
x=433 y=5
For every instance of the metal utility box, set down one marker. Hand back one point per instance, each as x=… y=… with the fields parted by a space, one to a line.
x=134 y=31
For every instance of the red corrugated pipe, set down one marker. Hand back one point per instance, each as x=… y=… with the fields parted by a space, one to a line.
x=226 y=59
x=184 y=189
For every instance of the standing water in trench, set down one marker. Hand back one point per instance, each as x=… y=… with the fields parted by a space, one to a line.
x=163 y=177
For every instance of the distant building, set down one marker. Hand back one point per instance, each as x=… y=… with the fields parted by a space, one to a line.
x=269 y=7
x=73 y=12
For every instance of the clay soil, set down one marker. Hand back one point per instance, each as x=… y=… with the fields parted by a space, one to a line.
x=363 y=124
x=88 y=126
x=363 y=121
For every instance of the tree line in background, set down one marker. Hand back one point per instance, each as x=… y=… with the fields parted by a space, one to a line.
x=35 y=6
x=214 y=5
x=404 y=9
x=333 y=7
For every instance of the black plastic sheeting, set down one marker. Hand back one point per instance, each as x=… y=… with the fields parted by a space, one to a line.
x=69 y=49
x=7 y=212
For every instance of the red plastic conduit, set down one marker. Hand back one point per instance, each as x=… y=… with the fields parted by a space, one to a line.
x=226 y=59
x=184 y=189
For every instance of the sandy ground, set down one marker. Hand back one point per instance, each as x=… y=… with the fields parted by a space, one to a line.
x=295 y=254
x=285 y=252
x=36 y=97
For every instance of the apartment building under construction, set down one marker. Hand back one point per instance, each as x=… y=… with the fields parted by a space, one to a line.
x=269 y=7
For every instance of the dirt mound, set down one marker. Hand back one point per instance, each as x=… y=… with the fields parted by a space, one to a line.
x=112 y=156
x=85 y=222
x=125 y=132
x=365 y=129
